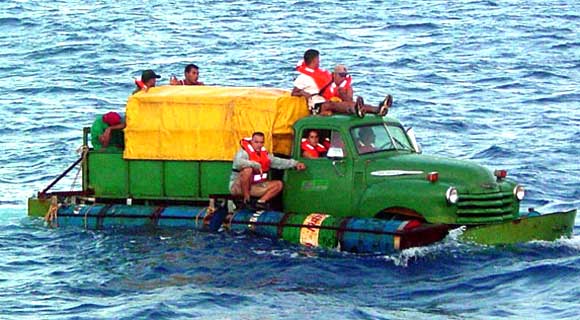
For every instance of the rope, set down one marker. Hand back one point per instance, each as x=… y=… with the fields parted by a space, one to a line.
x=204 y=210
x=51 y=214
x=83 y=151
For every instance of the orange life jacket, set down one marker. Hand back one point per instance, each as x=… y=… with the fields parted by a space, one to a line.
x=140 y=84
x=332 y=90
x=313 y=151
x=321 y=77
x=260 y=156
x=326 y=143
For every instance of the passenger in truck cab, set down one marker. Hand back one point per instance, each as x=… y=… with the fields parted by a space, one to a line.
x=250 y=168
x=107 y=132
x=366 y=140
x=148 y=80
x=311 y=146
x=191 y=77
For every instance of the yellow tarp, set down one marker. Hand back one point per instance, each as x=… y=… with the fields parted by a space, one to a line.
x=207 y=123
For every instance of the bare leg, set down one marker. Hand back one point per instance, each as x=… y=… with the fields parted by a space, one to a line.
x=246 y=176
x=383 y=107
x=338 y=107
x=273 y=188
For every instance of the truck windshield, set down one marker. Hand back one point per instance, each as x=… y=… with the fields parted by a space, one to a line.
x=380 y=137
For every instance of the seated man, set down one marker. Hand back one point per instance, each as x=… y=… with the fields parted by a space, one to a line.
x=191 y=76
x=250 y=171
x=148 y=80
x=107 y=132
x=311 y=147
x=340 y=89
x=366 y=140
x=313 y=81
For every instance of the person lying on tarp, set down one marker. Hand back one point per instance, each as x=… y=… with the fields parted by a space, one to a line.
x=250 y=172
x=107 y=132
x=148 y=80
x=191 y=77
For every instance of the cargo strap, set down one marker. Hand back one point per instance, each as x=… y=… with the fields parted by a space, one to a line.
x=101 y=216
x=156 y=215
x=280 y=230
x=341 y=230
x=83 y=150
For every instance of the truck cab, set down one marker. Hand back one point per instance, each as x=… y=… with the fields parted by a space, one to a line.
x=374 y=168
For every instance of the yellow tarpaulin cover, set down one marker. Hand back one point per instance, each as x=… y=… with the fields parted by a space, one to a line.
x=207 y=123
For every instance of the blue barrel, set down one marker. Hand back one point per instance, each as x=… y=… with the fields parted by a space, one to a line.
x=361 y=235
x=262 y=223
x=183 y=216
x=106 y=216
x=367 y=235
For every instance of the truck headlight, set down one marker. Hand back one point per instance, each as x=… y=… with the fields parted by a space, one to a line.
x=451 y=195
x=519 y=192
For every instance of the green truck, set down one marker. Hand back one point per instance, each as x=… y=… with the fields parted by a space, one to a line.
x=373 y=169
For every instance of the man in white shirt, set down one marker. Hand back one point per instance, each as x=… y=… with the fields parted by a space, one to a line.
x=312 y=81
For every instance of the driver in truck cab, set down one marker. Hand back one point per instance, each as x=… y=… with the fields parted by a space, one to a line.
x=366 y=140
x=250 y=172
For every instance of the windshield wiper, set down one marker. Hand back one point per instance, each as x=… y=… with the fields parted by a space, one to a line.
x=394 y=140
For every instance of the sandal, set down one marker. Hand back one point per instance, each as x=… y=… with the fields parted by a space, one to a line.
x=359 y=107
x=388 y=101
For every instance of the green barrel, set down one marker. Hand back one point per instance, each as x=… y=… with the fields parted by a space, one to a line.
x=328 y=238
x=290 y=230
x=314 y=230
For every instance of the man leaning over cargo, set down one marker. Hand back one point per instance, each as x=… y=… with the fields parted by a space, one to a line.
x=250 y=172
x=107 y=132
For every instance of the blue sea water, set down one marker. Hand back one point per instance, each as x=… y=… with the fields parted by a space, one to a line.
x=495 y=82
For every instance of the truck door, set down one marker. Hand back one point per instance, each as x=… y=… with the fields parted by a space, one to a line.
x=326 y=184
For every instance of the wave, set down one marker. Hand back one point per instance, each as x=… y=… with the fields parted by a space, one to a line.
x=420 y=26
x=567 y=45
x=544 y=75
x=493 y=152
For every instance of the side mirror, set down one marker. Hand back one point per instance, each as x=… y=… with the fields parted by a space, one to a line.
x=411 y=135
x=335 y=153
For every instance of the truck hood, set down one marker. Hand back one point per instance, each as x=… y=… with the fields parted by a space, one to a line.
x=464 y=175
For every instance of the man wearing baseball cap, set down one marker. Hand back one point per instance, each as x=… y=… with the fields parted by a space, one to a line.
x=148 y=80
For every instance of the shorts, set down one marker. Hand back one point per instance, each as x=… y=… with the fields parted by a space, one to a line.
x=315 y=100
x=256 y=190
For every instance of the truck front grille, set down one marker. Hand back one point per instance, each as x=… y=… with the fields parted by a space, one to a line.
x=486 y=207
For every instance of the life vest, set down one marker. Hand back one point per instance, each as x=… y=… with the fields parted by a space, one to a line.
x=140 y=84
x=313 y=151
x=332 y=90
x=321 y=77
x=259 y=156
x=326 y=143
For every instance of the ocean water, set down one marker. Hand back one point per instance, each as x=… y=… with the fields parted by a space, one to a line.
x=495 y=82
